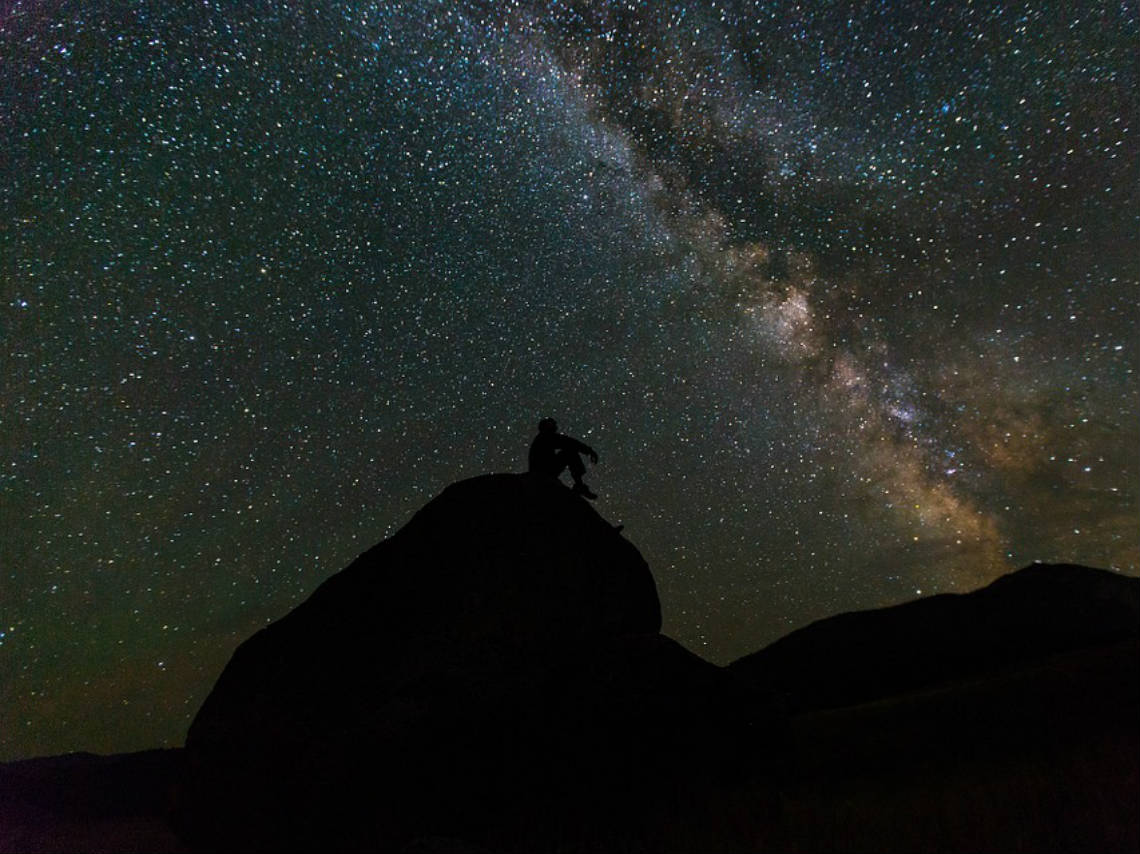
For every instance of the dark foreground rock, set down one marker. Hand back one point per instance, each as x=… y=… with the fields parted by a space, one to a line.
x=502 y=735
x=1024 y=616
x=499 y=655
x=1044 y=757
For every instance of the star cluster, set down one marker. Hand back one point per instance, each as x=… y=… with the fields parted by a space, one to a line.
x=844 y=297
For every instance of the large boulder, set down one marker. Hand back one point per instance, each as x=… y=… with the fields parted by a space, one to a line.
x=499 y=654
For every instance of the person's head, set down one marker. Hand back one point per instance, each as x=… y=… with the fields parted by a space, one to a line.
x=547 y=425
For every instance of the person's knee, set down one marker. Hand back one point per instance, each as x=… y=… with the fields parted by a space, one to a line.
x=558 y=463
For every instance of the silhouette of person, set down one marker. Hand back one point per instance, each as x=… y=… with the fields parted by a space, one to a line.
x=551 y=453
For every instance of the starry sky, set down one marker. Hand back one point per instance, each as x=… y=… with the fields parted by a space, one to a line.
x=845 y=300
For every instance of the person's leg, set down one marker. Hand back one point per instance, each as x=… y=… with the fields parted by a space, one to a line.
x=561 y=461
x=577 y=469
x=570 y=460
x=576 y=466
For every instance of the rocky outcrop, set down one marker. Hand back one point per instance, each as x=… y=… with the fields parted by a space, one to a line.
x=1027 y=615
x=500 y=653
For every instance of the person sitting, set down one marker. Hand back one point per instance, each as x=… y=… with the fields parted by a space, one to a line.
x=551 y=453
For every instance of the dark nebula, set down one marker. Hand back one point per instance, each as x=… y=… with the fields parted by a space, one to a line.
x=845 y=300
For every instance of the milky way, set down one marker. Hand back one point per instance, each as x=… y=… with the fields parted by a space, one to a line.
x=846 y=301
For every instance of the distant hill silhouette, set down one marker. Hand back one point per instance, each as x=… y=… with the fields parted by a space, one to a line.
x=500 y=653
x=866 y=655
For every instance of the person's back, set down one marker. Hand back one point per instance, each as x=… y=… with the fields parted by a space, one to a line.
x=543 y=456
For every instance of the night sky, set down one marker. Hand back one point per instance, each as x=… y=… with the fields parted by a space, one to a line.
x=846 y=302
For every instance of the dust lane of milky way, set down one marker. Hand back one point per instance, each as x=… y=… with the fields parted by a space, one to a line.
x=846 y=300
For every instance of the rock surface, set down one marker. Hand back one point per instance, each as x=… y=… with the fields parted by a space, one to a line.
x=499 y=653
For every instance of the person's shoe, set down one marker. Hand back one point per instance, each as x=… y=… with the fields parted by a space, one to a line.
x=583 y=490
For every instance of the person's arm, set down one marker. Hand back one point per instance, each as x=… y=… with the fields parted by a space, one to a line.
x=582 y=448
